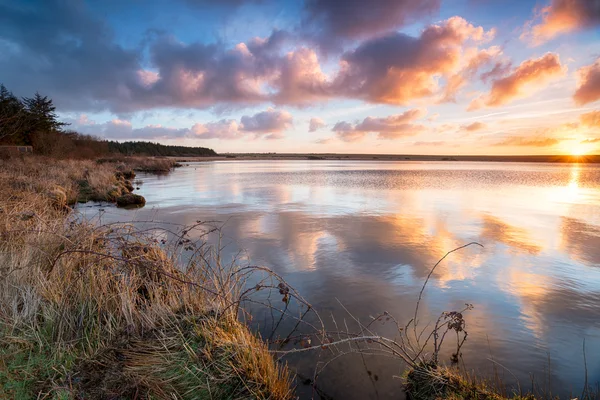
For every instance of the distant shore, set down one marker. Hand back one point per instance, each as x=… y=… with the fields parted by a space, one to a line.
x=586 y=159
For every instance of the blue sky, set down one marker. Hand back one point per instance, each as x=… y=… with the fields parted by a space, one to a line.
x=386 y=76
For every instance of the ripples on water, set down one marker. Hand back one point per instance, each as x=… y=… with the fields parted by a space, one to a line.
x=366 y=233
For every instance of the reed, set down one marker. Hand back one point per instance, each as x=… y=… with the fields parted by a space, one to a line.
x=107 y=311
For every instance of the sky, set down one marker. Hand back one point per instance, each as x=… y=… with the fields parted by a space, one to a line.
x=316 y=76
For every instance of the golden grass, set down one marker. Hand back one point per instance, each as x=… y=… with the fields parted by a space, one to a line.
x=104 y=311
x=430 y=382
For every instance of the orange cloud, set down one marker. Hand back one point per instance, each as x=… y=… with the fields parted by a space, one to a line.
x=591 y=119
x=473 y=64
x=527 y=77
x=588 y=84
x=522 y=141
x=398 y=68
x=597 y=140
x=475 y=126
x=562 y=16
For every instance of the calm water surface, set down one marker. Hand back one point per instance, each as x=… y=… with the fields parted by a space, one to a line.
x=366 y=234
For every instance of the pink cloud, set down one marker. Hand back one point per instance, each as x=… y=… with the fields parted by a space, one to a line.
x=269 y=124
x=588 y=84
x=300 y=79
x=315 y=124
x=562 y=16
x=270 y=121
x=391 y=127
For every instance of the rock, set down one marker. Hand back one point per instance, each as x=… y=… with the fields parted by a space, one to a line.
x=131 y=200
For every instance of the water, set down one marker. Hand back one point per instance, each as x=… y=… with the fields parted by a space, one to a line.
x=365 y=234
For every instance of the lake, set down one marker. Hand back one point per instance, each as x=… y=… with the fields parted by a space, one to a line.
x=365 y=234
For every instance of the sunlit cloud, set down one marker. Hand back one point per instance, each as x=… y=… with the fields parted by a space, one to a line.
x=475 y=126
x=591 y=119
x=560 y=17
x=269 y=124
x=315 y=124
x=398 y=68
x=324 y=61
x=528 y=142
x=588 y=84
x=392 y=127
x=529 y=76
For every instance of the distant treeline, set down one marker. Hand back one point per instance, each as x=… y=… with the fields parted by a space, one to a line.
x=157 y=149
x=32 y=121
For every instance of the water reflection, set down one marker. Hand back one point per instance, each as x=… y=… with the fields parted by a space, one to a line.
x=365 y=234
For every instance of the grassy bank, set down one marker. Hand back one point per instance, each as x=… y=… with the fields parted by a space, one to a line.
x=105 y=312
x=429 y=382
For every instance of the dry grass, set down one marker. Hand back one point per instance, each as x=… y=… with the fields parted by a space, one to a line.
x=431 y=382
x=143 y=164
x=102 y=312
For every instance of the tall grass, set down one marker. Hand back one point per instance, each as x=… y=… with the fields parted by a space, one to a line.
x=98 y=312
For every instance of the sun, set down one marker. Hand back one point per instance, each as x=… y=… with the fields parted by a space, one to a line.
x=578 y=151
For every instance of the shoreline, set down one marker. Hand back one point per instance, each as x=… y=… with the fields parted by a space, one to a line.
x=156 y=325
x=555 y=159
x=108 y=311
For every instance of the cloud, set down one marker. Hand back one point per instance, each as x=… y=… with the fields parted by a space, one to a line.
x=270 y=121
x=472 y=65
x=500 y=69
x=269 y=124
x=123 y=129
x=475 y=126
x=432 y=143
x=324 y=141
x=74 y=57
x=596 y=140
x=398 y=68
x=521 y=82
x=591 y=119
x=331 y=22
x=62 y=50
x=433 y=117
x=561 y=16
x=391 y=127
x=299 y=79
x=523 y=141
x=226 y=129
x=588 y=84
x=315 y=124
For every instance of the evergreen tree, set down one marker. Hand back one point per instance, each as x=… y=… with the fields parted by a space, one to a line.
x=42 y=115
x=13 y=118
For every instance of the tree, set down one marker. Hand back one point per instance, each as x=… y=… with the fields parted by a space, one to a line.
x=13 y=117
x=42 y=115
